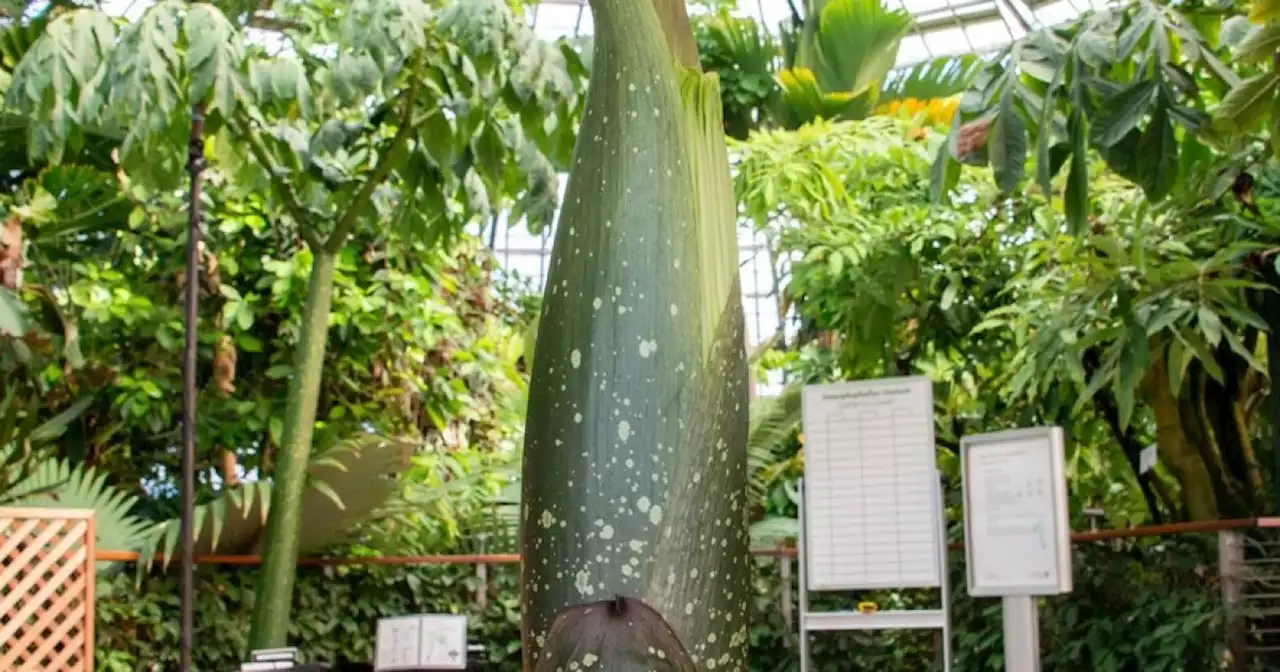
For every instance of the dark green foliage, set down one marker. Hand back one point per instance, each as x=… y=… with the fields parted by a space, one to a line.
x=1137 y=606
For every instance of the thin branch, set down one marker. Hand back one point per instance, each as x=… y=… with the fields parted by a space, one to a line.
x=282 y=188
x=380 y=172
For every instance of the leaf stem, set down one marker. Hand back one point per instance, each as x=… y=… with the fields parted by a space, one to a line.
x=351 y=215
x=299 y=214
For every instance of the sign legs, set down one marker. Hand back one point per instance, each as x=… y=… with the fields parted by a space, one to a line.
x=1021 y=634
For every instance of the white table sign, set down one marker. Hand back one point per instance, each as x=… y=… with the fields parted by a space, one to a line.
x=871 y=517
x=425 y=641
x=1017 y=538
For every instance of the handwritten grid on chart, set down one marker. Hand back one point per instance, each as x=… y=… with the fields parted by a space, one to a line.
x=870 y=479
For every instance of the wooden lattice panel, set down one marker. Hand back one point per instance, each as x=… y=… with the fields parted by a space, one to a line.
x=46 y=590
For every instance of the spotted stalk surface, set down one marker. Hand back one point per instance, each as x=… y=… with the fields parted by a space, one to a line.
x=634 y=528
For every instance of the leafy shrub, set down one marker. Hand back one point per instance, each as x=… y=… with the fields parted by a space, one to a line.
x=1137 y=606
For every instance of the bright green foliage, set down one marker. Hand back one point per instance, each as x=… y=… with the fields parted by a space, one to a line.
x=434 y=104
x=1136 y=80
x=745 y=57
x=634 y=458
x=1157 y=303
x=838 y=63
x=844 y=51
x=910 y=286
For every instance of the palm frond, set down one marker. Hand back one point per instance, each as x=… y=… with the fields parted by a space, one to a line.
x=347 y=485
x=774 y=420
x=58 y=484
x=940 y=77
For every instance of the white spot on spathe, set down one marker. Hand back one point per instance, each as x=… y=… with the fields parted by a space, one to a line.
x=597 y=303
x=624 y=430
x=648 y=348
x=674 y=310
x=575 y=358
x=644 y=504
x=606 y=532
x=655 y=515
x=547 y=519
x=589 y=659
x=577 y=418
x=583 y=583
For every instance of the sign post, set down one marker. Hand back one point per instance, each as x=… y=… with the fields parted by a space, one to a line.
x=1017 y=534
x=871 y=505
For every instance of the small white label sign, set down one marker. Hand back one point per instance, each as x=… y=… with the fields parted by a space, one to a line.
x=430 y=641
x=1016 y=537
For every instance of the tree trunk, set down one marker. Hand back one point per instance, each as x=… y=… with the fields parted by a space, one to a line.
x=634 y=528
x=269 y=627
x=1176 y=451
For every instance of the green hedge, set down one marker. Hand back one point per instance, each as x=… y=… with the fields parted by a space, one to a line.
x=1136 y=606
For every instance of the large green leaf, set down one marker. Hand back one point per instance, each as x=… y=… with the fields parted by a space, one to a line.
x=347 y=485
x=1007 y=145
x=1076 y=197
x=1123 y=112
x=804 y=101
x=1246 y=103
x=939 y=77
x=1260 y=44
x=12 y=314
x=856 y=44
x=1158 y=169
x=215 y=57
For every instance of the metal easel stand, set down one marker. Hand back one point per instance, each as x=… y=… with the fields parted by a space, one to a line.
x=845 y=621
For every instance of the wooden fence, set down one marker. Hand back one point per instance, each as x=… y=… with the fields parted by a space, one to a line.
x=46 y=590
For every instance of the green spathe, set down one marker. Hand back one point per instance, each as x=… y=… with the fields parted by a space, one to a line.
x=635 y=463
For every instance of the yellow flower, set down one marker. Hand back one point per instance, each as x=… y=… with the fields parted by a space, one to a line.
x=932 y=112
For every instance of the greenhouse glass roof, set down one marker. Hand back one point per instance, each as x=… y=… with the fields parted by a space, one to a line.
x=942 y=27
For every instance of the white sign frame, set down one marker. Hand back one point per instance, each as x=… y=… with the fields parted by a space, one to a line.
x=417 y=637
x=827 y=526
x=1048 y=469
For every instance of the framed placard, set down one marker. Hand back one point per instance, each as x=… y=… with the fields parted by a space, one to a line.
x=1017 y=533
x=421 y=642
x=870 y=481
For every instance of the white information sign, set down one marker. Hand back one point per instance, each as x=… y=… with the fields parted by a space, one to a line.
x=426 y=641
x=870 y=482
x=1017 y=534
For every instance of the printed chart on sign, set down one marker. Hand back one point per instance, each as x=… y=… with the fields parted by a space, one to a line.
x=869 y=486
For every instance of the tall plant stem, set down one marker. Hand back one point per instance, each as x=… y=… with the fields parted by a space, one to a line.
x=195 y=214
x=270 y=624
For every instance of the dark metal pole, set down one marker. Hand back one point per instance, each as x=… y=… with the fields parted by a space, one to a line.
x=195 y=214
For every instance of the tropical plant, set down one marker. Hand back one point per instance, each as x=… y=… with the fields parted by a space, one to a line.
x=634 y=535
x=55 y=483
x=908 y=286
x=1111 y=82
x=419 y=118
x=839 y=64
x=745 y=58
